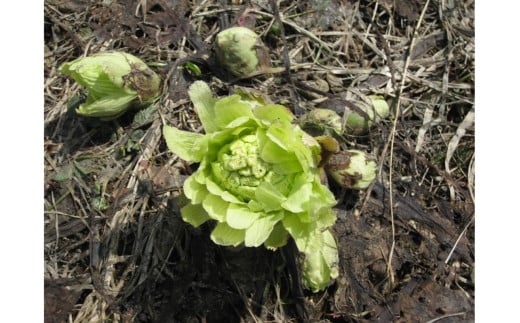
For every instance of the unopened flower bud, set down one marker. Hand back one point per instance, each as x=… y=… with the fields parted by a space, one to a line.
x=325 y=120
x=357 y=124
x=238 y=50
x=352 y=169
x=115 y=81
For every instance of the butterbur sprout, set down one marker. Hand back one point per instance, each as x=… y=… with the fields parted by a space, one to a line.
x=115 y=82
x=325 y=120
x=357 y=124
x=322 y=252
x=258 y=180
x=352 y=169
x=240 y=51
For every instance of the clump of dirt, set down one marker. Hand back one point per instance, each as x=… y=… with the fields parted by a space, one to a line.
x=116 y=248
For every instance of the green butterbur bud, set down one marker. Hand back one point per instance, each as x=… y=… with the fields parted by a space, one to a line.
x=237 y=49
x=357 y=124
x=321 y=261
x=115 y=82
x=325 y=120
x=381 y=107
x=352 y=169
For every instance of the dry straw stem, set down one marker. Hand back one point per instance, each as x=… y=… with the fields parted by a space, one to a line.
x=467 y=123
x=397 y=110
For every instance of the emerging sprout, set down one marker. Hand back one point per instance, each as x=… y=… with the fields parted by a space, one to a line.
x=322 y=252
x=115 y=81
x=258 y=180
x=239 y=50
x=352 y=169
x=357 y=124
x=325 y=120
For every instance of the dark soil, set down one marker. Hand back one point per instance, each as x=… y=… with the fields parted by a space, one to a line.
x=116 y=248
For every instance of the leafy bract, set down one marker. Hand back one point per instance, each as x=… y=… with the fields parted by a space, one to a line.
x=260 y=230
x=187 y=145
x=204 y=102
x=277 y=238
x=107 y=106
x=240 y=217
x=225 y=235
x=258 y=180
x=231 y=108
x=321 y=260
x=269 y=197
x=194 y=214
x=273 y=113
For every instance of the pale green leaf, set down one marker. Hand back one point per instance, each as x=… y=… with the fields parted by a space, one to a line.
x=277 y=238
x=218 y=173
x=215 y=189
x=299 y=230
x=326 y=218
x=315 y=272
x=101 y=74
x=322 y=192
x=255 y=206
x=289 y=138
x=269 y=196
x=283 y=182
x=195 y=191
x=282 y=135
x=194 y=214
x=216 y=207
x=224 y=235
x=305 y=157
x=107 y=106
x=260 y=230
x=321 y=200
x=240 y=121
x=273 y=113
x=187 y=145
x=202 y=173
x=283 y=162
x=298 y=199
x=204 y=102
x=240 y=217
x=229 y=109
x=329 y=250
x=321 y=261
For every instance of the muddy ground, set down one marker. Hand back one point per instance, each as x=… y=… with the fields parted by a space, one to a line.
x=116 y=249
